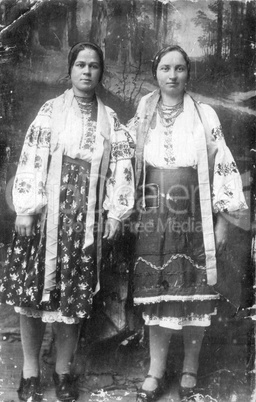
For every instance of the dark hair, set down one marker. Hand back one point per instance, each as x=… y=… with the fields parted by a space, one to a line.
x=73 y=53
x=163 y=52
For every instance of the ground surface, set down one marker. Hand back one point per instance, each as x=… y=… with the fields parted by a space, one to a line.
x=113 y=370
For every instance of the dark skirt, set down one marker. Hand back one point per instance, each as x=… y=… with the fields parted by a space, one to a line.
x=23 y=280
x=170 y=276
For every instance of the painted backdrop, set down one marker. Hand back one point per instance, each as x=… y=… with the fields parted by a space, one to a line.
x=220 y=38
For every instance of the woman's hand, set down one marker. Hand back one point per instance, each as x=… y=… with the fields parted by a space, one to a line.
x=221 y=233
x=112 y=228
x=24 y=225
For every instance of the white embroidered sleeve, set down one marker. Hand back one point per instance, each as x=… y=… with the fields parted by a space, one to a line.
x=119 y=198
x=29 y=195
x=227 y=193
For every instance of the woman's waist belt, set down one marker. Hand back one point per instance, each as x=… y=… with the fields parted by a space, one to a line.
x=168 y=183
x=76 y=161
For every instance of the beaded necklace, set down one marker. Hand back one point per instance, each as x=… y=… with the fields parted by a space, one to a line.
x=168 y=114
x=84 y=105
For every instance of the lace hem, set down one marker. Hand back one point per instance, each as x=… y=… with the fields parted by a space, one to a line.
x=46 y=316
x=178 y=323
x=173 y=257
x=158 y=299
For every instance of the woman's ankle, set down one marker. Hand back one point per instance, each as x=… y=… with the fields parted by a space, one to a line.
x=149 y=384
x=188 y=379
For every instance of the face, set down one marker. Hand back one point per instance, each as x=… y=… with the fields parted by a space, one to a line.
x=172 y=74
x=85 y=73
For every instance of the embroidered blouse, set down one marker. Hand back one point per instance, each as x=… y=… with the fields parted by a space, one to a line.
x=162 y=147
x=172 y=147
x=29 y=190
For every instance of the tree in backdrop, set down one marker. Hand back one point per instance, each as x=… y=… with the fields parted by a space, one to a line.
x=228 y=41
x=131 y=32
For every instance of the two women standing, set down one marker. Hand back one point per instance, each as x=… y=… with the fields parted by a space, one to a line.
x=76 y=161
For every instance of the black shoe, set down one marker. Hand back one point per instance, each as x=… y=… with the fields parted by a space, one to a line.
x=187 y=393
x=65 y=387
x=30 y=388
x=151 y=396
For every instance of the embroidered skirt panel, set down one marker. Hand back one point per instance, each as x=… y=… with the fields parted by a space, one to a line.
x=170 y=275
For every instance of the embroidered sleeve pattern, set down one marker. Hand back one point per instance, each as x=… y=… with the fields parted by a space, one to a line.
x=120 y=150
x=225 y=169
x=46 y=109
x=128 y=174
x=228 y=193
x=38 y=136
x=227 y=187
x=29 y=195
x=119 y=198
x=133 y=123
x=132 y=126
x=217 y=133
x=116 y=122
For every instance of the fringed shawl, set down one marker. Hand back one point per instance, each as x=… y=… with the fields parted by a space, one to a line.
x=66 y=118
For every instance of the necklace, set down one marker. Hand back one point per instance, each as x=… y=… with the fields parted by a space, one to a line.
x=84 y=99
x=168 y=114
x=84 y=105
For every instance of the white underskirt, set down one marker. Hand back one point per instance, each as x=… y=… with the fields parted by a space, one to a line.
x=46 y=316
x=178 y=323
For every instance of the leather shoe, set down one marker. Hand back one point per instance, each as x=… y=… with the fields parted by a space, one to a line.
x=64 y=387
x=30 y=388
x=187 y=393
x=151 y=396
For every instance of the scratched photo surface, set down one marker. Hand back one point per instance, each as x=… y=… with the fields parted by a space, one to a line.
x=220 y=38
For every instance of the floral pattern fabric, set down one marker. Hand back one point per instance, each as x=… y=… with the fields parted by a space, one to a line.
x=23 y=281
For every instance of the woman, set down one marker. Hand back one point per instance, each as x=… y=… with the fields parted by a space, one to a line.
x=75 y=164
x=184 y=173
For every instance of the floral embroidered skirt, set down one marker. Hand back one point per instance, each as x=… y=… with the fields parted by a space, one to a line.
x=170 y=276
x=23 y=280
